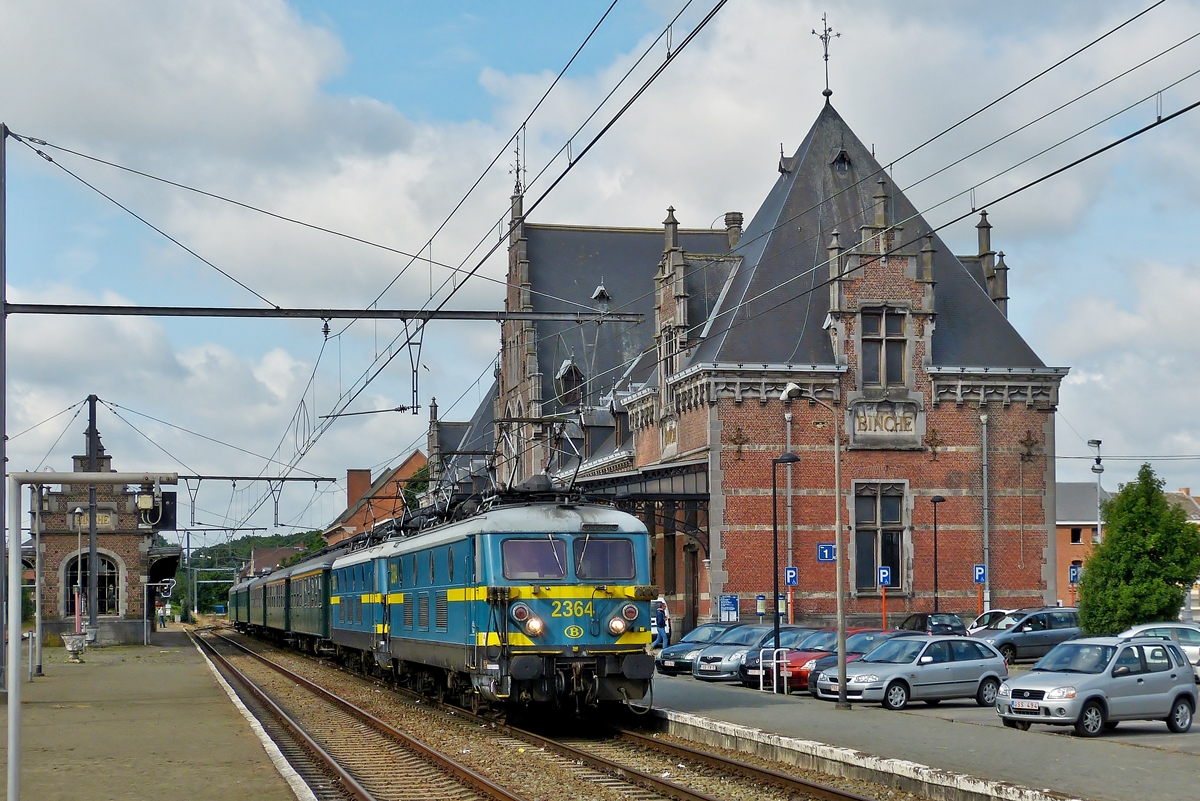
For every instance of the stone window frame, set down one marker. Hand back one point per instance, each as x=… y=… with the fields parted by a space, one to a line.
x=904 y=307
x=883 y=311
x=902 y=580
x=122 y=580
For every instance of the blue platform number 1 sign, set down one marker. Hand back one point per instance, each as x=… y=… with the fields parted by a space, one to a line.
x=885 y=576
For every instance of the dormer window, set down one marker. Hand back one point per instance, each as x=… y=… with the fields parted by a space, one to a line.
x=569 y=383
x=884 y=347
x=841 y=162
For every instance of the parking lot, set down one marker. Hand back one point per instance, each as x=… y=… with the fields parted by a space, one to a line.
x=1138 y=760
x=1147 y=734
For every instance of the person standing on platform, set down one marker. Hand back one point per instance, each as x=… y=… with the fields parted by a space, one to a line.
x=661 y=625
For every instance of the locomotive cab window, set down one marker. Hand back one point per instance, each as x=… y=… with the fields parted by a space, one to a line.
x=450 y=562
x=603 y=558
x=541 y=558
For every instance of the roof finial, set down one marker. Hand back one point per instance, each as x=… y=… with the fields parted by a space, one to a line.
x=825 y=35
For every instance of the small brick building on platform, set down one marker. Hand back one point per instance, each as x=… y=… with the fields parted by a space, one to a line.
x=838 y=286
x=128 y=553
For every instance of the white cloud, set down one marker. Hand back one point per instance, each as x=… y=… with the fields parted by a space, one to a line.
x=232 y=97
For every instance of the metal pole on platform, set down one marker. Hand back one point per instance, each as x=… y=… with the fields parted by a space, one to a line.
x=93 y=560
x=14 y=636
x=3 y=365
x=15 y=482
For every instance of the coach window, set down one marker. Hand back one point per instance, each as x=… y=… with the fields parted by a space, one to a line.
x=878 y=534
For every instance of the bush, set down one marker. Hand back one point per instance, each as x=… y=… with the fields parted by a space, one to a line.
x=1150 y=557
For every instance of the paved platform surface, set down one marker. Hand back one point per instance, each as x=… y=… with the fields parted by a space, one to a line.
x=138 y=722
x=1138 y=761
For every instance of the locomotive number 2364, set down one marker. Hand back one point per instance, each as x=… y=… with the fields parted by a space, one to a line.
x=571 y=609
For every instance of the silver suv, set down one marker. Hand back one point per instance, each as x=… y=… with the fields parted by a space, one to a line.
x=1095 y=683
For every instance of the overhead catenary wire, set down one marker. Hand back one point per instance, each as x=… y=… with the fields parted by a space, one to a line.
x=78 y=409
x=344 y=402
x=48 y=419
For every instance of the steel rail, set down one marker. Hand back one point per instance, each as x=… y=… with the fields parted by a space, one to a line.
x=331 y=764
x=744 y=769
x=461 y=772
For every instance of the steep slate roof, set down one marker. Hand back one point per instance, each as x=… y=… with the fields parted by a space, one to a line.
x=1075 y=501
x=784 y=325
x=568 y=262
x=477 y=435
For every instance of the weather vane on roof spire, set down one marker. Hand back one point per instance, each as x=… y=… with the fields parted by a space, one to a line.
x=825 y=35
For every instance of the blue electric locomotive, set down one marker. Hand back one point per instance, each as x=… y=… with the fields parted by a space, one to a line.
x=530 y=602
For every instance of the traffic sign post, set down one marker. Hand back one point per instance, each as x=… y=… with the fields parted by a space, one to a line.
x=885 y=581
x=791 y=577
x=980 y=574
x=1074 y=572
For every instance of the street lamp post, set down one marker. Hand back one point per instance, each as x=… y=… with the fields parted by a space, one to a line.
x=1098 y=469
x=796 y=391
x=787 y=458
x=935 y=500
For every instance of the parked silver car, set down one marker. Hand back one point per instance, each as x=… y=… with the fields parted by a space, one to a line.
x=1185 y=635
x=923 y=668
x=722 y=660
x=1030 y=633
x=1092 y=684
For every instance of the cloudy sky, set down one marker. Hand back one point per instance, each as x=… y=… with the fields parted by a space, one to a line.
x=374 y=120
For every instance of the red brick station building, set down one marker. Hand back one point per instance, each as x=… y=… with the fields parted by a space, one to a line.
x=839 y=286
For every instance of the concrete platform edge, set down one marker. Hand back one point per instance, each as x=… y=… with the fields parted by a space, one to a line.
x=299 y=786
x=932 y=783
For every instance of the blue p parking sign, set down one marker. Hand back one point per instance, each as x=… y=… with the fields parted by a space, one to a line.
x=1074 y=572
x=980 y=574
x=885 y=576
x=791 y=576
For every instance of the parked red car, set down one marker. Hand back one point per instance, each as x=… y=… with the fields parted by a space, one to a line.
x=801 y=661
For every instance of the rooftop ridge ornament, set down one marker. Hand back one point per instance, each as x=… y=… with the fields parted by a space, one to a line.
x=825 y=35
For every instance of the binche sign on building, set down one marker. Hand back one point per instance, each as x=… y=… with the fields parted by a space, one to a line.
x=884 y=424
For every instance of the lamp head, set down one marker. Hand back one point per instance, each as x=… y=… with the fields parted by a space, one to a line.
x=792 y=390
x=786 y=458
x=937 y=499
x=1093 y=443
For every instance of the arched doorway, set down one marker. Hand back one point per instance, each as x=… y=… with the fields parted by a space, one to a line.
x=108 y=584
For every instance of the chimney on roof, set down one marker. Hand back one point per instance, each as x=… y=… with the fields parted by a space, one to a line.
x=998 y=286
x=733 y=227
x=358 y=482
x=671 y=229
x=881 y=198
x=984 y=229
x=1186 y=491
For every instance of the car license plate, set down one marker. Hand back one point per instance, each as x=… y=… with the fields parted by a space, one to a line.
x=1024 y=704
x=668 y=663
x=753 y=672
x=833 y=688
x=708 y=667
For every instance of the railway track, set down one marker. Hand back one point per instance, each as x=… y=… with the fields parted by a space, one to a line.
x=371 y=760
x=630 y=764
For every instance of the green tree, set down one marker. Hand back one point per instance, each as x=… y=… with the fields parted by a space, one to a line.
x=1149 y=556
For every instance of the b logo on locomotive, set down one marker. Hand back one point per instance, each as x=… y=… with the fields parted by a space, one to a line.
x=573 y=632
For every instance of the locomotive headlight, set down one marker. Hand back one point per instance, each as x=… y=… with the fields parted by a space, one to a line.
x=534 y=626
x=629 y=612
x=616 y=627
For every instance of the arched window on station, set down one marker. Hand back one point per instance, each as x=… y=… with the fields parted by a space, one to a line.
x=108 y=584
